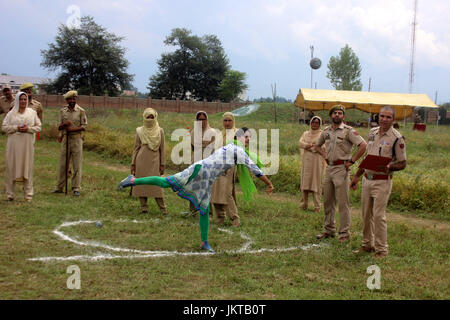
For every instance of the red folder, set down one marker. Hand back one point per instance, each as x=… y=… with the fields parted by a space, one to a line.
x=372 y=162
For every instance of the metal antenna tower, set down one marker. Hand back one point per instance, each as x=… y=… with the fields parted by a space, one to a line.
x=312 y=56
x=413 y=47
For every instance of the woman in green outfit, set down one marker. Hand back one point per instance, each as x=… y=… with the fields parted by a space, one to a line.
x=195 y=182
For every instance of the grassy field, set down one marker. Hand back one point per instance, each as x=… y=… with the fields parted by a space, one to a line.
x=423 y=188
x=279 y=258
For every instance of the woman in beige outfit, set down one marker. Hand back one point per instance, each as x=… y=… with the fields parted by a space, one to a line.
x=203 y=144
x=313 y=165
x=20 y=124
x=223 y=195
x=149 y=157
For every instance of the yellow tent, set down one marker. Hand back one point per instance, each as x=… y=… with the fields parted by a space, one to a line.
x=403 y=103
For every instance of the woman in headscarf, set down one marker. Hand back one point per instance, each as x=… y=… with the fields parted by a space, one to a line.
x=313 y=165
x=20 y=124
x=204 y=140
x=223 y=196
x=202 y=143
x=149 y=158
x=195 y=182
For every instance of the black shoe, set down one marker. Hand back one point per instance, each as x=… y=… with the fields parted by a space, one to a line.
x=57 y=191
x=76 y=193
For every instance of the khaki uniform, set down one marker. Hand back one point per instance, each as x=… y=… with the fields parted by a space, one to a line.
x=375 y=193
x=78 y=118
x=36 y=106
x=5 y=104
x=338 y=146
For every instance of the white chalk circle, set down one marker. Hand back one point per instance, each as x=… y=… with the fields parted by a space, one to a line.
x=135 y=253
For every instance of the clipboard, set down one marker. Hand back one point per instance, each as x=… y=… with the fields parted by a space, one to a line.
x=371 y=162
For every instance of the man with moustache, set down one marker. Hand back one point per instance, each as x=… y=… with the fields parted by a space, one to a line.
x=387 y=142
x=7 y=100
x=339 y=140
x=72 y=122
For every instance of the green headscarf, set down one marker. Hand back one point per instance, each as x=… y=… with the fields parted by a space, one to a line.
x=245 y=179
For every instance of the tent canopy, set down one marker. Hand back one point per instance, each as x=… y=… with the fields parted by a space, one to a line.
x=403 y=103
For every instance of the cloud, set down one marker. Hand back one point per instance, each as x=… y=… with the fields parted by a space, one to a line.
x=265 y=38
x=277 y=8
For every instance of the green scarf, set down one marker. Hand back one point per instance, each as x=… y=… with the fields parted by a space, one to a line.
x=245 y=179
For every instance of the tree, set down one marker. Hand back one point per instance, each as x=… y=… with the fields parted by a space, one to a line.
x=270 y=99
x=89 y=59
x=198 y=65
x=344 y=71
x=232 y=85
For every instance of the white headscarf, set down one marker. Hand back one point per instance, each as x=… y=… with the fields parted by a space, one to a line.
x=14 y=117
x=16 y=101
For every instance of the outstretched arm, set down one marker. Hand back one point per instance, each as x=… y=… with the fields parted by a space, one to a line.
x=269 y=184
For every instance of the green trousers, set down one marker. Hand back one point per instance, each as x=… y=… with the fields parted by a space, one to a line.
x=162 y=182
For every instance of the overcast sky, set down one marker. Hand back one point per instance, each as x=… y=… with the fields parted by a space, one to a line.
x=268 y=40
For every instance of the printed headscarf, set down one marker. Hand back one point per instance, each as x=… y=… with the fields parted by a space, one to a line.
x=149 y=133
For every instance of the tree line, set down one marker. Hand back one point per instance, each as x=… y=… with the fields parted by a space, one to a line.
x=91 y=60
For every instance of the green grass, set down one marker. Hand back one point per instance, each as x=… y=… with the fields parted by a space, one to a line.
x=416 y=268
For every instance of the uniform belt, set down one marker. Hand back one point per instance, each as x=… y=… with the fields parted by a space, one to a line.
x=377 y=176
x=336 y=162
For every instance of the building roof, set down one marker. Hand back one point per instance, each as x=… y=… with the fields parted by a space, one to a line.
x=18 y=80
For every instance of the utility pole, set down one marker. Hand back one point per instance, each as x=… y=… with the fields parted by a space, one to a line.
x=370 y=82
x=274 y=94
x=413 y=47
x=312 y=56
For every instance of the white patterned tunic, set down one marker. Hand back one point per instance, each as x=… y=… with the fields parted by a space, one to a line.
x=197 y=189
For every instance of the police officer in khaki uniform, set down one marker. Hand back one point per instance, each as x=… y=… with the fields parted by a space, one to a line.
x=339 y=140
x=383 y=141
x=7 y=100
x=72 y=122
x=27 y=87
